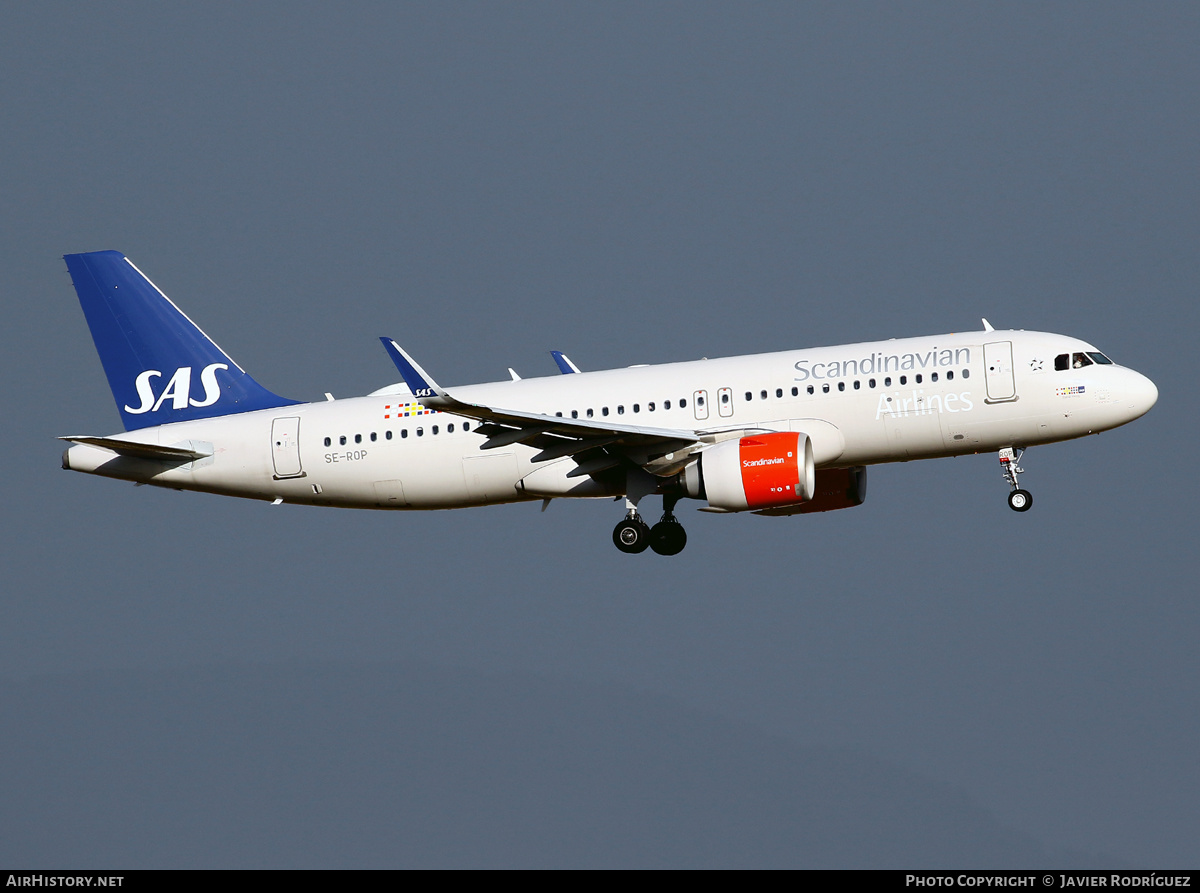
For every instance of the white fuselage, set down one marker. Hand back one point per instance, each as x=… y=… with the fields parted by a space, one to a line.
x=859 y=404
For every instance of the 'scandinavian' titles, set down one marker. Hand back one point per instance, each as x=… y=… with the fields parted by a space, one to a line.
x=880 y=362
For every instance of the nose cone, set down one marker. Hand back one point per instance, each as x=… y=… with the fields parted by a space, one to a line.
x=1141 y=394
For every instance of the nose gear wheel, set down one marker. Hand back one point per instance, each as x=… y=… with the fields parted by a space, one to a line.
x=1018 y=500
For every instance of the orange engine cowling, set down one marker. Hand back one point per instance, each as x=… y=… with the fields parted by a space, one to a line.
x=837 y=488
x=757 y=472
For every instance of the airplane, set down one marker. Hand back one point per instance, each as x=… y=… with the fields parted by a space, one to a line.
x=784 y=433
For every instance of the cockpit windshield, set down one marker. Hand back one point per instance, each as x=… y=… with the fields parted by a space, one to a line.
x=1079 y=359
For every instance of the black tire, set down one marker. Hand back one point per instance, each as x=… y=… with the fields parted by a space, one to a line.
x=631 y=536
x=1020 y=500
x=668 y=537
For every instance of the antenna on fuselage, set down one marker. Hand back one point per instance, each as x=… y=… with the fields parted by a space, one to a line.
x=987 y=326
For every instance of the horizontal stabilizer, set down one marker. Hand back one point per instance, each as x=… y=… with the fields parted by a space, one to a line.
x=140 y=450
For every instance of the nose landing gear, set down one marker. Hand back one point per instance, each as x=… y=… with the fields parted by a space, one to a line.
x=1018 y=500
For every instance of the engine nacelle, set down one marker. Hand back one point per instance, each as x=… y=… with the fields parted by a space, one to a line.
x=761 y=471
x=837 y=488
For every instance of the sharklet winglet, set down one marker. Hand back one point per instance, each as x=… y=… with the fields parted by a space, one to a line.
x=417 y=379
x=565 y=366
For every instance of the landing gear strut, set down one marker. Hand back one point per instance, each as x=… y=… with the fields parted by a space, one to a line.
x=667 y=537
x=1018 y=500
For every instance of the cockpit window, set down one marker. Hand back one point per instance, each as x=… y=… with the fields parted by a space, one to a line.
x=1079 y=360
x=1100 y=358
x=1062 y=362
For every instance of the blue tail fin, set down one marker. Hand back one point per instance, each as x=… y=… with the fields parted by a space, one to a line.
x=161 y=367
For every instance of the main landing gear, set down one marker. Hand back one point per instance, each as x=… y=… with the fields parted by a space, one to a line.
x=1018 y=500
x=667 y=537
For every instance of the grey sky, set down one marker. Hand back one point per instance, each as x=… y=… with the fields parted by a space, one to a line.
x=627 y=183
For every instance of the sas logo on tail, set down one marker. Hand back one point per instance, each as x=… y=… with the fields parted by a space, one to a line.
x=178 y=389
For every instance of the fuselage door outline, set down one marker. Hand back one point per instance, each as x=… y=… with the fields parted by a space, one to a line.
x=285 y=447
x=725 y=402
x=998 y=372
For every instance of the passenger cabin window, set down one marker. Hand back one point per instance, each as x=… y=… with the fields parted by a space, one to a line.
x=749 y=396
x=373 y=437
x=650 y=407
x=387 y=435
x=666 y=404
x=604 y=410
x=328 y=442
x=795 y=392
x=779 y=392
x=762 y=395
x=342 y=440
x=683 y=402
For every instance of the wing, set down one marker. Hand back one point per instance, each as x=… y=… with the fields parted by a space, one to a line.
x=595 y=445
